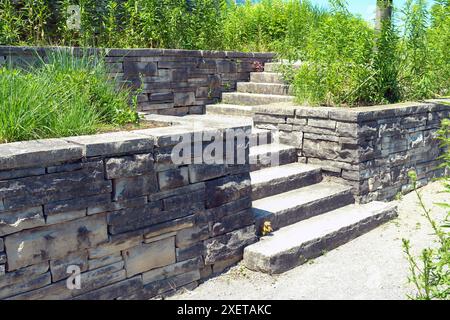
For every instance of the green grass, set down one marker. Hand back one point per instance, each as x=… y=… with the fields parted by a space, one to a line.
x=65 y=96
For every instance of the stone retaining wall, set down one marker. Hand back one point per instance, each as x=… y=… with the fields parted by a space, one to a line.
x=370 y=148
x=173 y=82
x=116 y=206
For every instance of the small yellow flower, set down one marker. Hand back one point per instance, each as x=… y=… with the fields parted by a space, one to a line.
x=267 y=228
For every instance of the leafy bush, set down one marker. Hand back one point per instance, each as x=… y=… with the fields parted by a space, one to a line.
x=65 y=96
x=338 y=61
x=431 y=272
x=349 y=63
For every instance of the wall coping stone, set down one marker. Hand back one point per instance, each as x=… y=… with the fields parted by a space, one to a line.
x=357 y=114
x=38 y=153
x=48 y=152
x=138 y=52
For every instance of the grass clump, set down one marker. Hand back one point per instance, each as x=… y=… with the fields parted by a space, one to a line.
x=65 y=96
x=349 y=63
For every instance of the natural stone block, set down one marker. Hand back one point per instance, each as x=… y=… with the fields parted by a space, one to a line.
x=2 y=258
x=2 y=244
x=133 y=187
x=38 y=153
x=90 y=280
x=58 y=267
x=115 y=206
x=20 y=173
x=113 y=291
x=33 y=246
x=232 y=222
x=113 y=247
x=161 y=96
x=229 y=245
x=114 y=143
x=160 y=237
x=134 y=69
x=2 y=269
x=76 y=204
x=66 y=216
x=169 y=226
x=45 y=185
x=194 y=251
x=182 y=99
x=138 y=218
x=105 y=261
x=187 y=237
x=218 y=213
x=322 y=123
x=172 y=270
x=227 y=189
x=291 y=138
x=190 y=201
x=129 y=166
x=14 y=221
x=34 y=282
x=173 y=178
x=149 y=256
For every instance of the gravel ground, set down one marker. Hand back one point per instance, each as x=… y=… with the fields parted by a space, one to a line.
x=372 y=266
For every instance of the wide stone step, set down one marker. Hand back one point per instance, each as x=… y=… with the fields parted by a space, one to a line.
x=229 y=109
x=266 y=77
x=264 y=88
x=253 y=99
x=271 y=155
x=275 y=180
x=293 y=206
x=294 y=245
x=275 y=66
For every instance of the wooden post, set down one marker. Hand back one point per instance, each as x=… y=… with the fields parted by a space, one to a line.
x=384 y=13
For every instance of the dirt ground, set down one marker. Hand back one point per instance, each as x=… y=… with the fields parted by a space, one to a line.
x=372 y=266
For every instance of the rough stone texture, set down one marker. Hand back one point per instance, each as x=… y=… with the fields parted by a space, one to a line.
x=149 y=256
x=36 y=245
x=37 y=153
x=137 y=224
x=370 y=148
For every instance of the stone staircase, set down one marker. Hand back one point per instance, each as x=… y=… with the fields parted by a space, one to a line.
x=310 y=213
x=264 y=88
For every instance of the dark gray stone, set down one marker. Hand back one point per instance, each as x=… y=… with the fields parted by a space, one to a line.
x=129 y=166
x=133 y=187
x=223 y=190
x=229 y=245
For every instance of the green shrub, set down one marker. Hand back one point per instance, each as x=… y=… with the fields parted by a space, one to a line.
x=337 y=68
x=347 y=63
x=65 y=96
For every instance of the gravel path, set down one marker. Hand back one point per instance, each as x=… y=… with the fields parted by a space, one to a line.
x=372 y=266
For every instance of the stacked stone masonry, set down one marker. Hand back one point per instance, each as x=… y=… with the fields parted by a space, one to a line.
x=137 y=225
x=171 y=82
x=369 y=148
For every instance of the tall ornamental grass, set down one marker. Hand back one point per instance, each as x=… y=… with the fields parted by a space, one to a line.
x=65 y=96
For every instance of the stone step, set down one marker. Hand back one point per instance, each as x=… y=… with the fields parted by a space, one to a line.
x=264 y=88
x=229 y=109
x=253 y=99
x=266 y=77
x=261 y=137
x=293 y=206
x=294 y=245
x=271 y=155
x=275 y=66
x=275 y=180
